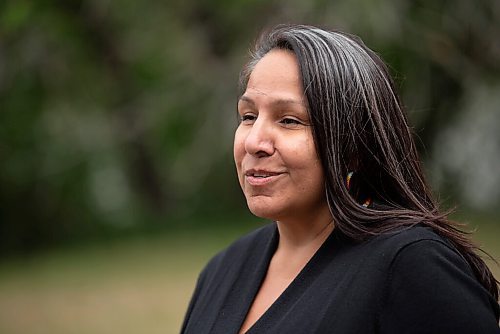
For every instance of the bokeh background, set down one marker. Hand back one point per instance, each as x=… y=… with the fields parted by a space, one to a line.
x=116 y=124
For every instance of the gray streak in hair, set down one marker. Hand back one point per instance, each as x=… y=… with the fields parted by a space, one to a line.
x=359 y=124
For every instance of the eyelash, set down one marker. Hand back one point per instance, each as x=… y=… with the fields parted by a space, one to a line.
x=247 y=118
x=290 y=121
x=287 y=121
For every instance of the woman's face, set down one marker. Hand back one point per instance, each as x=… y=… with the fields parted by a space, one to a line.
x=278 y=168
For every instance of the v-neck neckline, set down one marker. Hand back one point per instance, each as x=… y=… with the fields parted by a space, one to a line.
x=299 y=283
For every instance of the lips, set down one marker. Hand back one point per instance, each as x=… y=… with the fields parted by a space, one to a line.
x=260 y=173
x=258 y=177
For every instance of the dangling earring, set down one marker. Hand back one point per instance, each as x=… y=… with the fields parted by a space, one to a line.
x=348 y=180
x=368 y=200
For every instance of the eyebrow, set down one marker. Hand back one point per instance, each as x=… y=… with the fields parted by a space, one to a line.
x=275 y=103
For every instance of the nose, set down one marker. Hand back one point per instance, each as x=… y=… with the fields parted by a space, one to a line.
x=260 y=142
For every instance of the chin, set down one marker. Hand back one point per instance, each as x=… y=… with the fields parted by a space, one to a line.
x=263 y=210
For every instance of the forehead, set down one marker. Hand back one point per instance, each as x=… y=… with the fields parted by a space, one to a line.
x=276 y=76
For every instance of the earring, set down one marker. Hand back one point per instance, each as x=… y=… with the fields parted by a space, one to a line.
x=367 y=202
x=348 y=181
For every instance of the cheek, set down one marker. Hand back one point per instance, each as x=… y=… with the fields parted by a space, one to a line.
x=308 y=163
x=304 y=154
x=238 y=151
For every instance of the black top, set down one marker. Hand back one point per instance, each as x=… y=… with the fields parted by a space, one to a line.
x=410 y=281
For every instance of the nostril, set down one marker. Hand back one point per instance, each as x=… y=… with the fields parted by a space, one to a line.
x=262 y=154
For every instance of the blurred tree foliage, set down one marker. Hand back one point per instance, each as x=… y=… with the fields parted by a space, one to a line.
x=118 y=115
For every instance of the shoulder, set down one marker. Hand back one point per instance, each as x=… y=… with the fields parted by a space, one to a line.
x=240 y=251
x=381 y=251
x=397 y=240
x=419 y=254
x=224 y=269
x=418 y=251
x=427 y=278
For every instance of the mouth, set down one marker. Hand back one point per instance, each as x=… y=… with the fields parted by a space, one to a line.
x=260 y=177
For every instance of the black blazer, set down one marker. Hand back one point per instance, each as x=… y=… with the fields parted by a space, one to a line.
x=411 y=281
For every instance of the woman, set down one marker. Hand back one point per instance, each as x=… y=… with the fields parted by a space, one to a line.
x=358 y=245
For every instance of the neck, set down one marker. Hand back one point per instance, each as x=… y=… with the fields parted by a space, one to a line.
x=298 y=243
x=305 y=234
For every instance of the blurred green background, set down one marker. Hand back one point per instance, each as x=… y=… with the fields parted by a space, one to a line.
x=116 y=124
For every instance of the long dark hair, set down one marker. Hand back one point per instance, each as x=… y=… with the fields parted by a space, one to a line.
x=359 y=124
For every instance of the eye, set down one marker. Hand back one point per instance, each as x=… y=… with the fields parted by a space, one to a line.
x=247 y=118
x=290 y=122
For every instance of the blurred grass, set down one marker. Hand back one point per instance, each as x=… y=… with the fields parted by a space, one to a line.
x=139 y=285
